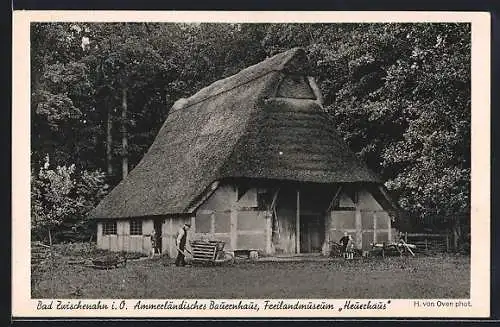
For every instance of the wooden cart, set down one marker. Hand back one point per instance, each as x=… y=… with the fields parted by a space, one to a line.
x=209 y=253
x=399 y=249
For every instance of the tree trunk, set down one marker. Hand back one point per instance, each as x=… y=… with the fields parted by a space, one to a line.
x=456 y=235
x=50 y=238
x=109 y=138
x=124 y=134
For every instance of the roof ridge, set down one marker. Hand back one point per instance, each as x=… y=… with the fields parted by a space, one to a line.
x=217 y=94
x=288 y=56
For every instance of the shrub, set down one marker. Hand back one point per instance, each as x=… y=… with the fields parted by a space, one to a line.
x=61 y=197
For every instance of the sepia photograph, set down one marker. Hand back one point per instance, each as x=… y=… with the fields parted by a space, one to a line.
x=250 y=160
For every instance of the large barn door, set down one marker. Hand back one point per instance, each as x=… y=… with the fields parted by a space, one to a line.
x=313 y=203
x=312 y=233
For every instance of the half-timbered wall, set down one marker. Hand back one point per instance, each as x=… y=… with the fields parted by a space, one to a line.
x=236 y=217
x=365 y=220
x=233 y=218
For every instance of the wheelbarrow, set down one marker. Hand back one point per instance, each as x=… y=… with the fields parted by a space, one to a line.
x=109 y=262
x=208 y=252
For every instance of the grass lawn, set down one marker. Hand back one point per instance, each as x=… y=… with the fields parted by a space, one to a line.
x=441 y=276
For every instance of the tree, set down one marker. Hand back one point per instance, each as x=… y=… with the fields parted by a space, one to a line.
x=127 y=64
x=62 y=197
x=433 y=156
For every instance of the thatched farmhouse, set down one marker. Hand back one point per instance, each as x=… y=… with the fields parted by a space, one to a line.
x=251 y=160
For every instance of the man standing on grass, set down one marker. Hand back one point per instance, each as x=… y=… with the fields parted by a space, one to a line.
x=181 y=244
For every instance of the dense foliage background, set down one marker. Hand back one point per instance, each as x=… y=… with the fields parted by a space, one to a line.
x=398 y=93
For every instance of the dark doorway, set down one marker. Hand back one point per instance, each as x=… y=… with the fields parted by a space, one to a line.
x=158 y=227
x=314 y=201
x=312 y=233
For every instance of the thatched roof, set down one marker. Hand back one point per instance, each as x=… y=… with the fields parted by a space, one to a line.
x=235 y=127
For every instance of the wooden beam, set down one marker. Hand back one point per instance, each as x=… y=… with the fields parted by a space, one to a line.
x=359 y=227
x=269 y=234
x=172 y=240
x=328 y=220
x=356 y=196
x=407 y=247
x=326 y=243
x=269 y=222
x=212 y=223
x=388 y=198
x=208 y=192
x=275 y=197
x=297 y=225
x=332 y=203
x=389 y=230
x=193 y=223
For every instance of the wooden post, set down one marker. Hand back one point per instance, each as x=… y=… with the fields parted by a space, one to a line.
x=99 y=235
x=270 y=222
x=297 y=225
x=269 y=232
x=193 y=223
x=212 y=223
x=234 y=221
x=389 y=231
x=172 y=240
x=456 y=227
x=124 y=134
x=359 y=227
x=326 y=243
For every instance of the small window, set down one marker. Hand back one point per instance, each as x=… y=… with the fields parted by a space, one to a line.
x=295 y=86
x=247 y=197
x=264 y=199
x=345 y=201
x=109 y=228
x=135 y=227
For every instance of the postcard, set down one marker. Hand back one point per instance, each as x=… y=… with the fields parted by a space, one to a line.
x=251 y=164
